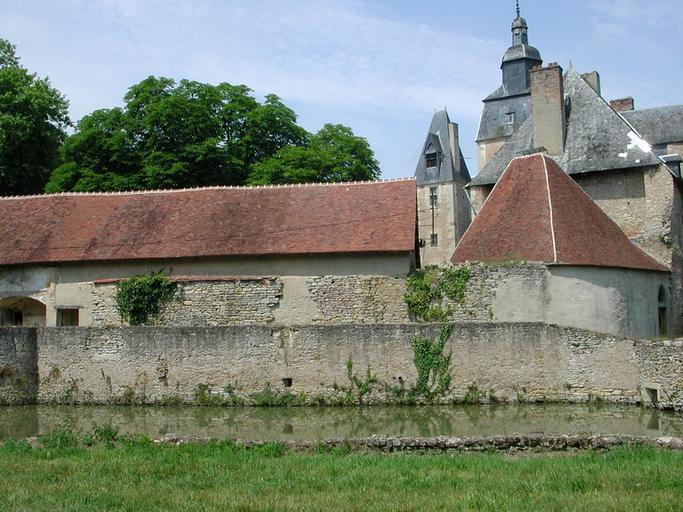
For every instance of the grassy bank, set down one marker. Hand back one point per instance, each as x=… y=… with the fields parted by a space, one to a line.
x=136 y=475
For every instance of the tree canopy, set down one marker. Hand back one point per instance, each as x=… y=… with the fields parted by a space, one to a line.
x=332 y=154
x=33 y=120
x=188 y=134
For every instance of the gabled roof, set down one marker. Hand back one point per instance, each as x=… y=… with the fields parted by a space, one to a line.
x=449 y=169
x=366 y=217
x=597 y=139
x=538 y=213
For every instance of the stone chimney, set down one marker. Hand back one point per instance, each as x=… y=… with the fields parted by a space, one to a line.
x=593 y=79
x=622 y=104
x=454 y=143
x=547 y=108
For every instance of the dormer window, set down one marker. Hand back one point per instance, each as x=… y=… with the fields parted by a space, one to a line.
x=430 y=160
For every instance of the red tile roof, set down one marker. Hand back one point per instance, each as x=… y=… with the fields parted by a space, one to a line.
x=536 y=212
x=363 y=217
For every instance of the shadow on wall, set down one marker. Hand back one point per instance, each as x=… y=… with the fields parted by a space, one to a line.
x=22 y=312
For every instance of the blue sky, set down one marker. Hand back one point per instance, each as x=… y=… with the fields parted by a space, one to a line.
x=381 y=67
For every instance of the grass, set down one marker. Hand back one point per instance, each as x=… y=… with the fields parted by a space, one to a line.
x=133 y=474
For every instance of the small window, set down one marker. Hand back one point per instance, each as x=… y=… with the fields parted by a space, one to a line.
x=17 y=318
x=432 y=196
x=430 y=160
x=434 y=241
x=510 y=118
x=67 y=317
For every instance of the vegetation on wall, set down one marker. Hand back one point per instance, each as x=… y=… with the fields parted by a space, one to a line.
x=427 y=289
x=141 y=297
x=432 y=365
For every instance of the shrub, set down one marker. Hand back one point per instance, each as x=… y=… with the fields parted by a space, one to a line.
x=141 y=297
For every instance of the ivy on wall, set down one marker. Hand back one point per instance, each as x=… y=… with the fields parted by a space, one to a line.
x=427 y=288
x=140 y=298
x=432 y=365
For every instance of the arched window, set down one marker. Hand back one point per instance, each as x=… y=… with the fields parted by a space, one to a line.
x=662 y=317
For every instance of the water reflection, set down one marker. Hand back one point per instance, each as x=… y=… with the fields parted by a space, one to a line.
x=316 y=423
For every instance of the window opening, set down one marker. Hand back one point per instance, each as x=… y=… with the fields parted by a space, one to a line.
x=430 y=160
x=67 y=317
x=434 y=242
x=432 y=196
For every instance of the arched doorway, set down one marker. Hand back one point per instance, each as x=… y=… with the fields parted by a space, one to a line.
x=22 y=312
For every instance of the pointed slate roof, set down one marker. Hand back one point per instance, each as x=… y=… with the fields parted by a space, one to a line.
x=363 y=217
x=598 y=138
x=438 y=137
x=538 y=213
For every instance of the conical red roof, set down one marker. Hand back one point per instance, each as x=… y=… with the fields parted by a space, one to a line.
x=536 y=212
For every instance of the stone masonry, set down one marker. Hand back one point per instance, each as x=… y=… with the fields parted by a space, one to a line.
x=490 y=362
x=18 y=365
x=358 y=299
x=254 y=301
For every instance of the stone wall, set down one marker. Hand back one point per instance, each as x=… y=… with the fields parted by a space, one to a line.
x=267 y=300
x=610 y=300
x=661 y=364
x=18 y=365
x=358 y=299
x=490 y=362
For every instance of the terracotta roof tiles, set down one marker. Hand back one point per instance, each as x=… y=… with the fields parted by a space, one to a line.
x=536 y=212
x=221 y=221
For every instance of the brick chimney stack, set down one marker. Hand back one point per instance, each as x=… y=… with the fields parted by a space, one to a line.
x=547 y=108
x=622 y=104
x=593 y=79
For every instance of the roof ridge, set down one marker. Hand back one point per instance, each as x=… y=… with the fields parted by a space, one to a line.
x=213 y=187
x=550 y=207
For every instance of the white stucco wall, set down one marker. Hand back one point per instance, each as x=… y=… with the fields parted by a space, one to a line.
x=609 y=300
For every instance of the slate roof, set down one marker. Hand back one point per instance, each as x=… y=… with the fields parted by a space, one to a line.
x=597 y=138
x=438 y=137
x=536 y=212
x=662 y=125
x=367 y=217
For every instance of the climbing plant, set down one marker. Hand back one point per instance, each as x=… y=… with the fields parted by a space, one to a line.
x=432 y=365
x=141 y=297
x=427 y=288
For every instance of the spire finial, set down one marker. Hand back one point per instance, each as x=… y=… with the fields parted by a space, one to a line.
x=518 y=8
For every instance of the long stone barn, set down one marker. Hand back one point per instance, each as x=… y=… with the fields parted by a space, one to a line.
x=298 y=254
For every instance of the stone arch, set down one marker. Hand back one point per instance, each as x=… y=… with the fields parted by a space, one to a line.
x=18 y=311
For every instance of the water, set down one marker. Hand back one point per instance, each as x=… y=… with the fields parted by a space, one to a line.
x=316 y=423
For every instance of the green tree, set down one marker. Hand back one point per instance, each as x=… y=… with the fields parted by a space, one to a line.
x=331 y=155
x=33 y=120
x=171 y=135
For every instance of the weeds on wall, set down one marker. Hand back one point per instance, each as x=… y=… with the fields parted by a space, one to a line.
x=141 y=297
x=427 y=289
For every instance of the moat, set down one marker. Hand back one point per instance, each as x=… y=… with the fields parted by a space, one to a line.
x=317 y=423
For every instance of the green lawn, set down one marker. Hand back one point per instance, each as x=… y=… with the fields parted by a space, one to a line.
x=139 y=476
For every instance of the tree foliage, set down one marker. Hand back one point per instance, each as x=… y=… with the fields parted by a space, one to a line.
x=188 y=134
x=33 y=120
x=333 y=154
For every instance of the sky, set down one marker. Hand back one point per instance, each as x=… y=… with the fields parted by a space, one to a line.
x=380 y=67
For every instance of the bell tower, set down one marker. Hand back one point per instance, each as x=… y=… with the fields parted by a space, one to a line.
x=509 y=106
